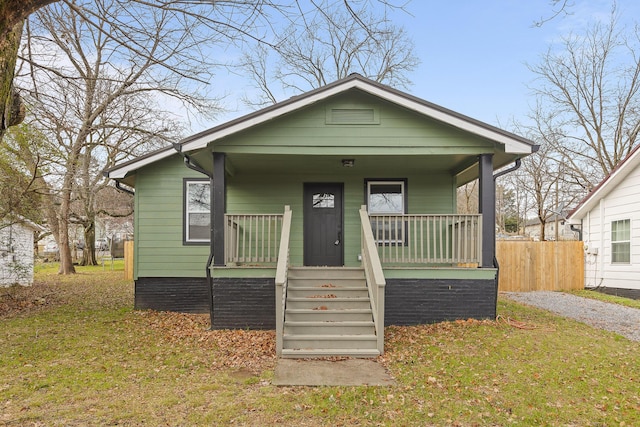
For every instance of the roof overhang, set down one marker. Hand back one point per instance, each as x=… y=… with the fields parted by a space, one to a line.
x=512 y=144
x=609 y=183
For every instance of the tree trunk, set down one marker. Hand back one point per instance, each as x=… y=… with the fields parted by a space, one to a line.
x=89 y=251
x=11 y=108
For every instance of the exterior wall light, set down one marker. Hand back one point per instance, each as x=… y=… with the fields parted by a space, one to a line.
x=348 y=163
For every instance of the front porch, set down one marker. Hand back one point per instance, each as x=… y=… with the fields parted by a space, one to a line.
x=412 y=269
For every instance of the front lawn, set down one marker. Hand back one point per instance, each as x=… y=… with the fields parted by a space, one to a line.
x=73 y=352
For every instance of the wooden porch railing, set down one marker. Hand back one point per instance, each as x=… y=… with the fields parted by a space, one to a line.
x=282 y=269
x=428 y=239
x=374 y=276
x=252 y=238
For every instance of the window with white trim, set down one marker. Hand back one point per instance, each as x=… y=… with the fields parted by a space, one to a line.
x=621 y=241
x=197 y=211
x=385 y=200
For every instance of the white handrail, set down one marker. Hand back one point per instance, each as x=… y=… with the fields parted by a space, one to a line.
x=374 y=276
x=282 y=269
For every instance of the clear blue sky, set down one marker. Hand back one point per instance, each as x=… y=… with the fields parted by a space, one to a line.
x=474 y=52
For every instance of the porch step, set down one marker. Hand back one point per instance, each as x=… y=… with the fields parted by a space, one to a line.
x=328 y=313
x=330 y=352
x=328 y=303
x=337 y=292
x=325 y=273
x=328 y=283
x=325 y=342
x=330 y=328
x=334 y=315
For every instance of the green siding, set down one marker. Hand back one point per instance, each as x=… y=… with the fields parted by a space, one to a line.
x=303 y=148
x=159 y=251
x=250 y=194
x=306 y=132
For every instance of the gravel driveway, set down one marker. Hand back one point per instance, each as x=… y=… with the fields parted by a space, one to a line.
x=611 y=317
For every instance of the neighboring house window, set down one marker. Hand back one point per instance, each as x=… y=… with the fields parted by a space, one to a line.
x=621 y=241
x=386 y=199
x=197 y=211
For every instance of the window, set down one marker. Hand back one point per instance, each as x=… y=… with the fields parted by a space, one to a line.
x=197 y=211
x=324 y=201
x=385 y=200
x=385 y=197
x=621 y=241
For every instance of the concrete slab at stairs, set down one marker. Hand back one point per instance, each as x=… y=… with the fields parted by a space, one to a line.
x=328 y=313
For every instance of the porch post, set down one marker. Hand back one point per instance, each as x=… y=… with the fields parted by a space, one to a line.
x=218 y=198
x=487 y=207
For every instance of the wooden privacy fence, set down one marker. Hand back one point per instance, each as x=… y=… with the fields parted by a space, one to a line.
x=540 y=266
x=128 y=260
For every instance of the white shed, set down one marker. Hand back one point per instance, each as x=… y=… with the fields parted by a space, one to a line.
x=610 y=220
x=17 y=253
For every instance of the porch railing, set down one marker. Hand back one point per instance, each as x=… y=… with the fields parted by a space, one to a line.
x=252 y=238
x=374 y=276
x=428 y=239
x=282 y=269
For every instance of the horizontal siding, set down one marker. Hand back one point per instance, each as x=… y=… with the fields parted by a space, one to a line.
x=621 y=203
x=268 y=194
x=398 y=128
x=159 y=248
x=159 y=200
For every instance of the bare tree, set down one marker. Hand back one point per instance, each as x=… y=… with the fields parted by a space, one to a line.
x=330 y=45
x=467 y=198
x=223 y=21
x=19 y=175
x=557 y=8
x=91 y=96
x=589 y=99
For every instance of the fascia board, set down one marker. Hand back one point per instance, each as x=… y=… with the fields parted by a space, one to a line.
x=296 y=104
x=120 y=172
x=606 y=186
x=512 y=145
x=199 y=141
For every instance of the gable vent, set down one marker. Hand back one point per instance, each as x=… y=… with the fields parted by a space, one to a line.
x=352 y=116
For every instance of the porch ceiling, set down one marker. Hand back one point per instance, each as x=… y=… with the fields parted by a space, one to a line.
x=384 y=165
x=464 y=166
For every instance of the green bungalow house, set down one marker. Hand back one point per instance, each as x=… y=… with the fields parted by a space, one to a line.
x=324 y=217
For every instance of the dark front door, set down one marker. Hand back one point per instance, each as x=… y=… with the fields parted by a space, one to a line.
x=323 y=224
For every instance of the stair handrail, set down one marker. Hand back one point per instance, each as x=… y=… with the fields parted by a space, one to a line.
x=281 y=279
x=374 y=276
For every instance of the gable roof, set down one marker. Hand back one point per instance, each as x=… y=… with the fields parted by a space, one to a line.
x=608 y=184
x=513 y=143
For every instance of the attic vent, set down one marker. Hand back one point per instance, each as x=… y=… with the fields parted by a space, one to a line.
x=352 y=116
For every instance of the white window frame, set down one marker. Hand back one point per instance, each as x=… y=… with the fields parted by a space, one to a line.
x=389 y=182
x=626 y=242
x=188 y=212
x=401 y=239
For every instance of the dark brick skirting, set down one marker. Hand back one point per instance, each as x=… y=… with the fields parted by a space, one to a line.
x=240 y=303
x=419 y=301
x=620 y=292
x=187 y=295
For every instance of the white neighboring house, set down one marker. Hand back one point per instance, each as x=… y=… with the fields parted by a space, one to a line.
x=532 y=229
x=16 y=252
x=610 y=220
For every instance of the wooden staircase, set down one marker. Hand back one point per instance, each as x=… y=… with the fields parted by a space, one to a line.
x=328 y=313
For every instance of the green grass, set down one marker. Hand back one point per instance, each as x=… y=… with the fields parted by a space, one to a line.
x=628 y=302
x=84 y=357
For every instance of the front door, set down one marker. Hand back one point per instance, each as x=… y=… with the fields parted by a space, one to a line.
x=322 y=208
